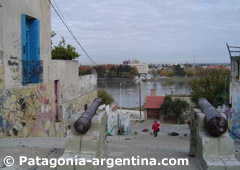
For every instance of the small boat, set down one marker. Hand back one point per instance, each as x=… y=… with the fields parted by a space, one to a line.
x=131 y=90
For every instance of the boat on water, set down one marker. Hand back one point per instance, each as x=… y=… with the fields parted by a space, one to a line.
x=131 y=90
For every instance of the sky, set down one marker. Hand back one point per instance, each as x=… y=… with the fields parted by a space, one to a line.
x=152 y=31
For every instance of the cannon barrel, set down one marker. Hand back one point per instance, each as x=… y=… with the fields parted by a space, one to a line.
x=215 y=123
x=83 y=123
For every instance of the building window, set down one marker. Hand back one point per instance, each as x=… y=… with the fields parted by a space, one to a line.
x=31 y=65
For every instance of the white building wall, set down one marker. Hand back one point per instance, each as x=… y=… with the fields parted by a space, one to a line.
x=71 y=85
x=234 y=85
x=1 y=34
x=10 y=36
x=142 y=68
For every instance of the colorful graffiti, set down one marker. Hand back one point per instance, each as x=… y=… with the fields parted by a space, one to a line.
x=233 y=115
x=29 y=111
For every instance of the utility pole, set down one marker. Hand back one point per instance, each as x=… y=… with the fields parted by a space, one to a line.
x=120 y=97
x=194 y=61
x=140 y=100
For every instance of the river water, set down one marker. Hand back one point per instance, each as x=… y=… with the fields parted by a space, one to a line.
x=130 y=89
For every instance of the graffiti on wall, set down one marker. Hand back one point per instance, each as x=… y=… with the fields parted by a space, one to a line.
x=234 y=119
x=14 y=66
x=29 y=112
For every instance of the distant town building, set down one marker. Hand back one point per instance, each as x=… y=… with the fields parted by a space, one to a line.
x=135 y=61
x=126 y=62
x=215 y=67
x=142 y=68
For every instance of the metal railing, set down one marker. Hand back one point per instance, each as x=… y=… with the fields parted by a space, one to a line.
x=32 y=71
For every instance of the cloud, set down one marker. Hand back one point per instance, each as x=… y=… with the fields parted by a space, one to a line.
x=152 y=31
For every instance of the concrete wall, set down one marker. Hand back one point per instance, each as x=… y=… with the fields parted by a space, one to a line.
x=70 y=84
x=87 y=83
x=211 y=152
x=67 y=74
x=1 y=34
x=234 y=112
x=10 y=35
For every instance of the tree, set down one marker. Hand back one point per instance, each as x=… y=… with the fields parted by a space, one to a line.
x=106 y=98
x=63 y=51
x=178 y=71
x=127 y=75
x=214 y=86
x=85 y=72
x=178 y=107
x=173 y=107
x=111 y=74
x=134 y=71
x=166 y=107
x=100 y=71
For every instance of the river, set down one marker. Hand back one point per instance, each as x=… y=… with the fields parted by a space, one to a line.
x=130 y=89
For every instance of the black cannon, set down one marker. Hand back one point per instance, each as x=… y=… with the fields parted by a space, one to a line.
x=83 y=123
x=215 y=123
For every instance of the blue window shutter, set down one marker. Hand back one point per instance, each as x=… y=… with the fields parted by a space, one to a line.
x=24 y=56
x=35 y=51
x=38 y=39
x=35 y=40
x=23 y=34
x=38 y=49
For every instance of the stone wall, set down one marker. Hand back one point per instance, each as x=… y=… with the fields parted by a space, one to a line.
x=28 y=111
x=212 y=152
x=90 y=145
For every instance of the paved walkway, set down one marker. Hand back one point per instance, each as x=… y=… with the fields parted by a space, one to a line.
x=146 y=146
x=162 y=146
x=142 y=145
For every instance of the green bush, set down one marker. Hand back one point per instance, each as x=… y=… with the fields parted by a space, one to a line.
x=106 y=98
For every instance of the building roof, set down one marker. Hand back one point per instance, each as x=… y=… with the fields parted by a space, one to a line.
x=153 y=102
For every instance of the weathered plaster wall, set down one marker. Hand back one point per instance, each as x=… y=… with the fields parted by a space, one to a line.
x=11 y=36
x=234 y=112
x=67 y=74
x=1 y=34
x=71 y=85
x=87 y=83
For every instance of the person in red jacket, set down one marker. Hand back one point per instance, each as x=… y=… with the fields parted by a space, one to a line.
x=155 y=128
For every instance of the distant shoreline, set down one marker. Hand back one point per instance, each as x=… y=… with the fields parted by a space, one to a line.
x=167 y=79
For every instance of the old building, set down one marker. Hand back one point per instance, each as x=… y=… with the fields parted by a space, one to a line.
x=152 y=107
x=38 y=95
x=234 y=111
